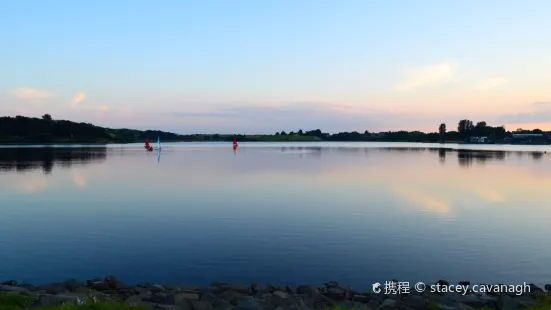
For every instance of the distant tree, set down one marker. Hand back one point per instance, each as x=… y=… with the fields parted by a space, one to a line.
x=442 y=129
x=277 y=133
x=283 y=133
x=537 y=130
x=366 y=133
x=291 y=133
x=47 y=117
x=465 y=127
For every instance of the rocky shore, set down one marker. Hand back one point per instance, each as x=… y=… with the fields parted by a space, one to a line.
x=255 y=296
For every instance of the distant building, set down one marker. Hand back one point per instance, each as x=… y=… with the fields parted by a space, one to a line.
x=478 y=139
x=527 y=135
x=378 y=134
x=537 y=138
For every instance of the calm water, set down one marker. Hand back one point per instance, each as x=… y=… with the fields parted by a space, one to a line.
x=276 y=213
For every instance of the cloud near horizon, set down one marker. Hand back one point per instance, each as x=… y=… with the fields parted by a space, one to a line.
x=429 y=76
x=78 y=98
x=537 y=112
x=32 y=95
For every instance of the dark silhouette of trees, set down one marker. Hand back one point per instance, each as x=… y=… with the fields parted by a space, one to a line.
x=21 y=129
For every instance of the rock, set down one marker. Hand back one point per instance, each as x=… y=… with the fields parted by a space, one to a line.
x=534 y=291
x=479 y=301
x=258 y=289
x=249 y=304
x=161 y=298
x=387 y=303
x=547 y=287
x=289 y=289
x=308 y=290
x=112 y=282
x=97 y=285
x=415 y=302
x=201 y=305
x=9 y=282
x=347 y=304
x=53 y=288
x=46 y=300
x=464 y=283
x=318 y=301
x=331 y=284
x=10 y=288
x=361 y=298
x=241 y=288
x=506 y=302
x=72 y=285
x=232 y=297
x=336 y=293
x=186 y=295
x=157 y=288
x=281 y=294
x=144 y=285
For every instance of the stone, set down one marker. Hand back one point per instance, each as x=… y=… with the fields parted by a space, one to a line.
x=336 y=293
x=10 y=283
x=241 y=288
x=249 y=304
x=308 y=290
x=97 y=285
x=257 y=289
x=331 y=284
x=289 y=289
x=506 y=302
x=281 y=294
x=46 y=300
x=161 y=298
x=415 y=302
x=547 y=287
x=201 y=305
x=72 y=285
x=387 y=303
x=54 y=288
x=481 y=301
x=186 y=295
x=361 y=298
x=232 y=297
x=10 y=288
x=157 y=288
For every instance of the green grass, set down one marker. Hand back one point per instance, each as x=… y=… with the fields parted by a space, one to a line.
x=17 y=301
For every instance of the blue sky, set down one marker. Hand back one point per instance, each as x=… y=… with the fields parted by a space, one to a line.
x=264 y=66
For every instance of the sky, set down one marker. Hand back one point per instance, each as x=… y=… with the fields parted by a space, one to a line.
x=249 y=66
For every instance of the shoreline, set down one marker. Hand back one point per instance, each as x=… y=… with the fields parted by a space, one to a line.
x=255 y=296
x=267 y=141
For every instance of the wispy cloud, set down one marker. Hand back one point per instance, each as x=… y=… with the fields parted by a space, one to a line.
x=32 y=95
x=429 y=76
x=104 y=108
x=537 y=112
x=491 y=83
x=78 y=98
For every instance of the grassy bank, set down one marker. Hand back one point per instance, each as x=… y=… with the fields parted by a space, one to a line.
x=17 y=301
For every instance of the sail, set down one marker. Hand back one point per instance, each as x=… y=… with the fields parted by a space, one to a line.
x=147 y=143
x=234 y=141
x=159 y=143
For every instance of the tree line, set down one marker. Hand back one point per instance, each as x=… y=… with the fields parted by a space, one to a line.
x=22 y=129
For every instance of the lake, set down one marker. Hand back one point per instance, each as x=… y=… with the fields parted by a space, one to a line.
x=282 y=213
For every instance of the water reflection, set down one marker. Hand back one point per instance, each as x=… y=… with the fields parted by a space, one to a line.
x=24 y=159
